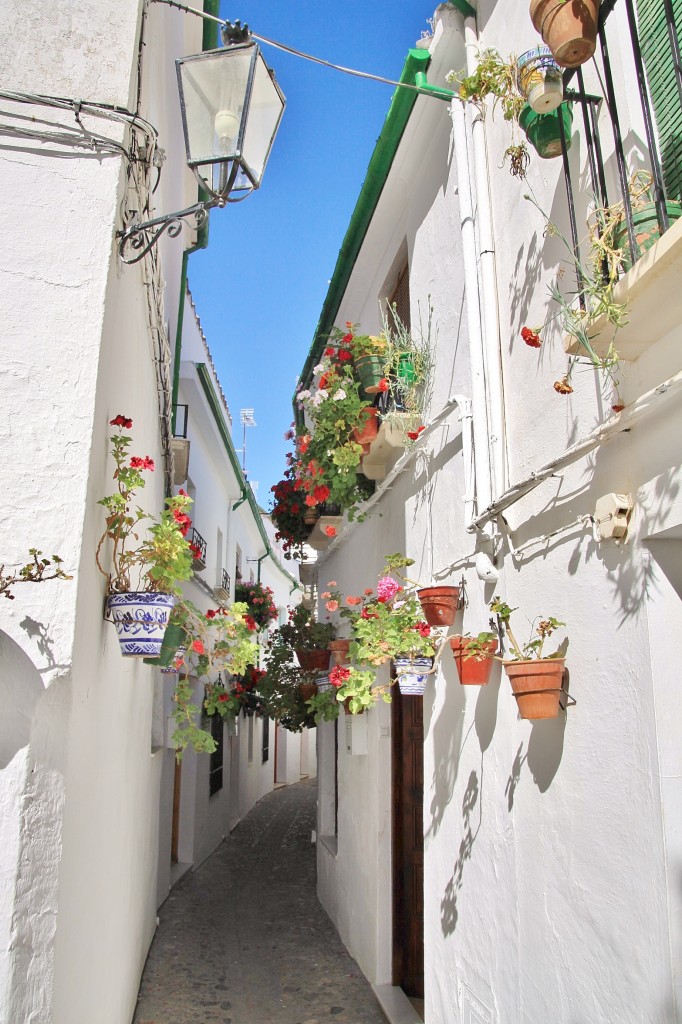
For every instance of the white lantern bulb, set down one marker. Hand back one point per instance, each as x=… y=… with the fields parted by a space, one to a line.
x=226 y=125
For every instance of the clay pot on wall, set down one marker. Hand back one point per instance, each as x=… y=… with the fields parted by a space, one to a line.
x=543 y=131
x=568 y=27
x=537 y=686
x=314 y=659
x=339 y=651
x=439 y=604
x=368 y=427
x=473 y=671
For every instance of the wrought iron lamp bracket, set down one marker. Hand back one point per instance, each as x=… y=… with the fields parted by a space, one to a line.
x=141 y=238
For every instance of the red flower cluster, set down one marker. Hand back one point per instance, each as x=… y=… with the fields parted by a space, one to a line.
x=339 y=675
x=383 y=384
x=137 y=463
x=195 y=549
x=251 y=623
x=422 y=628
x=330 y=531
x=530 y=337
x=121 y=421
x=414 y=434
x=366 y=614
x=183 y=520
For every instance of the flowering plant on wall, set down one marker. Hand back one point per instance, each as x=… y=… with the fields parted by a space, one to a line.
x=38 y=570
x=220 y=640
x=280 y=686
x=258 y=597
x=242 y=696
x=163 y=559
x=288 y=513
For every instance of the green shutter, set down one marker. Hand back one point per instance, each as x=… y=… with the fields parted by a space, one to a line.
x=658 y=61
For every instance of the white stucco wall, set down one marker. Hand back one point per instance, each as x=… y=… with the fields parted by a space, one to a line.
x=551 y=853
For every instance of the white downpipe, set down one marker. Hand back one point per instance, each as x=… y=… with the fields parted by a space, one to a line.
x=486 y=262
x=483 y=489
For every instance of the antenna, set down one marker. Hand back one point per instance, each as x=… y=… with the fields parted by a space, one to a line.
x=247 y=420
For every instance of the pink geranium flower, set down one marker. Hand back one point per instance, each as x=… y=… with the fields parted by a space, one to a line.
x=387 y=588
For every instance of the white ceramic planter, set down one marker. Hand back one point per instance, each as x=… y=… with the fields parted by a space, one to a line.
x=140 y=619
x=412 y=674
x=540 y=80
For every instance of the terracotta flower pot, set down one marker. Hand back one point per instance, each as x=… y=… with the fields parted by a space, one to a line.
x=473 y=671
x=339 y=651
x=439 y=604
x=368 y=427
x=307 y=690
x=537 y=686
x=310 y=516
x=568 y=27
x=313 y=660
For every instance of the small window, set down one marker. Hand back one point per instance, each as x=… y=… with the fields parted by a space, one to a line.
x=399 y=297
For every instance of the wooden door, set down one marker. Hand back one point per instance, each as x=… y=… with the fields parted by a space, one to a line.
x=408 y=843
x=175 y=828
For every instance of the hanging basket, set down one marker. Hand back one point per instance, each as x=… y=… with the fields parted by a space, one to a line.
x=537 y=686
x=439 y=604
x=314 y=659
x=646 y=229
x=412 y=674
x=543 y=131
x=539 y=79
x=370 y=371
x=140 y=618
x=473 y=671
x=339 y=651
x=568 y=27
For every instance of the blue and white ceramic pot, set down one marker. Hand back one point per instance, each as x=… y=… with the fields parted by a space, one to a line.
x=140 y=618
x=412 y=675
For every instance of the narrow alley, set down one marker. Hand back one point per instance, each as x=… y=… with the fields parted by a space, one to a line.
x=244 y=939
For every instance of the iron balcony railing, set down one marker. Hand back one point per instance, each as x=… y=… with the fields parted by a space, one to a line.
x=653 y=29
x=224 y=580
x=198 y=546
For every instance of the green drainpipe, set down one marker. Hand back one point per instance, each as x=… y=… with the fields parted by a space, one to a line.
x=464 y=8
x=209 y=41
x=425 y=86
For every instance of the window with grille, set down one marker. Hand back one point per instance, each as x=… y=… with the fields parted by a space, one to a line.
x=266 y=739
x=399 y=299
x=215 y=770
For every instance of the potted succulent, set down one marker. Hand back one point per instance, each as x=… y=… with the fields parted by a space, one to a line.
x=474 y=657
x=536 y=678
x=38 y=570
x=258 y=599
x=145 y=575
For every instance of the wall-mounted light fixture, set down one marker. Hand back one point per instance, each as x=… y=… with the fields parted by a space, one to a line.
x=231 y=108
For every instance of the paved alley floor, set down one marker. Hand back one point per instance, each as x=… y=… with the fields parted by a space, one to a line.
x=244 y=939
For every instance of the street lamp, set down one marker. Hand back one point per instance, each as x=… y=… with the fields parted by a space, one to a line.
x=231 y=107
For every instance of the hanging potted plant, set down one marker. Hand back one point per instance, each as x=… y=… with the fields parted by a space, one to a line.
x=543 y=131
x=285 y=688
x=258 y=599
x=540 y=80
x=536 y=678
x=474 y=657
x=368 y=351
x=439 y=603
x=144 y=579
x=308 y=638
x=568 y=27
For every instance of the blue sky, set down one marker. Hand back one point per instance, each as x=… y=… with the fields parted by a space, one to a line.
x=260 y=285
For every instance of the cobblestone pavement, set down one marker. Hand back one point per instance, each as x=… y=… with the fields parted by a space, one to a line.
x=244 y=939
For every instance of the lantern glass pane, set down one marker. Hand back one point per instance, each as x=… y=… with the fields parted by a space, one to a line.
x=212 y=90
x=265 y=111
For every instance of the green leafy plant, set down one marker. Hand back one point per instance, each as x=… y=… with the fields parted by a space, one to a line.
x=302 y=632
x=280 y=686
x=324 y=707
x=541 y=630
x=38 y=570
x=477 y=647
x=163 y=559
x=258 y=598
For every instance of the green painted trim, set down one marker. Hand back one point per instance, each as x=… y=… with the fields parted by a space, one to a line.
x=425 y=86
x=464 y=8
x=209 y=41
x=247 y=494
x=379 y=166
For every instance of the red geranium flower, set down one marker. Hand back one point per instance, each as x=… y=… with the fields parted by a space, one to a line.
x=347 y=338
x=121 y=421
x=329 y=352
x=344 y=355
x=197 y=647
x=383 y=384
x=414 y=434
x=330 y=531
x=251 y=623
x=338 y=675
x=618 y=408
x=531 y=338
x=211 y=613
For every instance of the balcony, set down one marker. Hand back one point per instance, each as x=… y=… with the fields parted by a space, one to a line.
x=639 y=127
x=221 y=591
x=180 y=445
x=198 y=546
